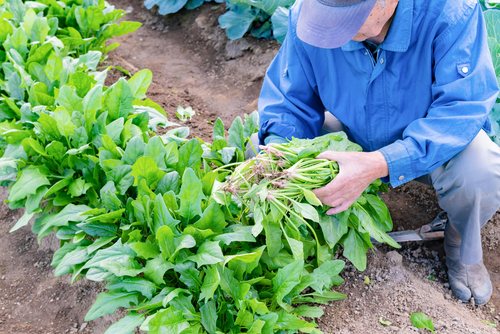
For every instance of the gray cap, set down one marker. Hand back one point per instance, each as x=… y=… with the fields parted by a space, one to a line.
x=330 y=24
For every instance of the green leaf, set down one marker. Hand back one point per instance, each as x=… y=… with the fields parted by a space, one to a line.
x=127 y=324
x=244 y=318
x=145 y=168
x=213 y=218
x=232 y=286
x=69 y=99
x=94 y=17
x=380 y=212
x=251 y=125
x=156 y=150
x=35 y=145
x=384 y=322
x=114 y=130
x=169 y=321
x=419 y=320
x=355 y=249
x=208 y=253
x=172 y=154
x=123 y=28
x=325 y=274
x=257 y=307
x=131 y=284
x=191 y=195
x=49 y=126
x=209 y=316
x=40 y=30
x=122 y=267
x=289 y=321
x=33 y=201
x=369 y=225
x=108 y=302
x=122 y=178
x=156 y=268
x=155 y=117
x=54 y=67
x=307 y=211
x=270 y=319
x=308 y=311
x=117 y=251
x=119 y=99
x=56 y=187
x=211 y=282
x=17 y=41
x=99 y=229
x=334 y=227
x=134 y=150
x=236 y=134
x=156 y=302
x=6 y=29
x=31 y=179
x=146 y=250
x=250 y=259
x=82 y=82
x=65 y=249
x=189 y=156
x=219 y=132
x=64 y=123
x=189 y=274
x=286 y=279
x=162 y=215
x=273 y=237
x=240 y=235
x=91 y=104
x=76 y=256
x=100 y=242
x=140 y=82
x=23 y=221
x=311 y=198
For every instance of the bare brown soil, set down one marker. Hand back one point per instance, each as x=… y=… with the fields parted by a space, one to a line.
x=195 y=65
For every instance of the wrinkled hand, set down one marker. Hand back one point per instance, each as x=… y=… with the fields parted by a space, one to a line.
x=356 y=171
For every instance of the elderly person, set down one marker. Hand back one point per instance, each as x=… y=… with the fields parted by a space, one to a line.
x=412 y=82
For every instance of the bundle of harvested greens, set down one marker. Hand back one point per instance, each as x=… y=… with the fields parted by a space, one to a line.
x=276 y=186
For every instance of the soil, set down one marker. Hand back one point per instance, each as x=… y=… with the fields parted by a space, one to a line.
x=194 y=64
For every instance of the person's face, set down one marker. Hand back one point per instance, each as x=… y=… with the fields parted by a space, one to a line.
x=378 y=21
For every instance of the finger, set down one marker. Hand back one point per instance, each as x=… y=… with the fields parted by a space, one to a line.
x=334 y=202
x=328 y=190
x=339 y=209
x=336 y=185
x=330 y=155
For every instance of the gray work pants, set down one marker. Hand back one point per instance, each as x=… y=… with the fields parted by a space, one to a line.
x=468 y=186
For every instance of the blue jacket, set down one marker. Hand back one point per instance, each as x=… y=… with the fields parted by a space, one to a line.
x=421 y=103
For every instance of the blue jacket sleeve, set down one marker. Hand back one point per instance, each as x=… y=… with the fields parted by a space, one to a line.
x=464 y=91
x=289 y=105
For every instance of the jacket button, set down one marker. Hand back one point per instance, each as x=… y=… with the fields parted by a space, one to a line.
x=465 y=69
x=382 y=60
x=401 y=178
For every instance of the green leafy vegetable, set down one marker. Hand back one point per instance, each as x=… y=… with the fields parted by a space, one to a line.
x=419 y=320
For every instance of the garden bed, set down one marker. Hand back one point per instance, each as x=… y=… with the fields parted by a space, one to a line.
x=194 y=64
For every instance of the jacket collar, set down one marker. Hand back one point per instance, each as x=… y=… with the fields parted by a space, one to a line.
x=399 y=35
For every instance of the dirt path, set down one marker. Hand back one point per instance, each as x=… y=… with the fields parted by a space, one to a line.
x=195 y=65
